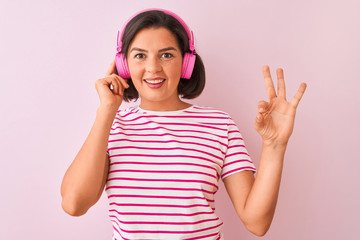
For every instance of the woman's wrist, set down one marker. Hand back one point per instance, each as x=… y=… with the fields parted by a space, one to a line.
x=106 y=113
x=108 y=109
x=274 y=146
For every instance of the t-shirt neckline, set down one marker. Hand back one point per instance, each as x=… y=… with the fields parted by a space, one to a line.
x=164 y=112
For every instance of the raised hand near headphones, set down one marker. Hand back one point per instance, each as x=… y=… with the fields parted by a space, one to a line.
x=111 y=98
x=275 y=119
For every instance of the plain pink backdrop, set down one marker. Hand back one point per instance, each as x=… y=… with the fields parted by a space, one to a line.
x=52 y=52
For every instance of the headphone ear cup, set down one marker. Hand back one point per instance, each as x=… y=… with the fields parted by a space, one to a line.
x=188 y=65
x=122 y=66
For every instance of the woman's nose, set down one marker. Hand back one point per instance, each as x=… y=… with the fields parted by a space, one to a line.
x=153 y=65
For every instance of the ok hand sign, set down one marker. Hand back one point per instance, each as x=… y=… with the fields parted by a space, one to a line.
x=275 y=119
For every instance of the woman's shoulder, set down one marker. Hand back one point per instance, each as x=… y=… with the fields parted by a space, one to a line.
x=209 y=110
x=127 y=109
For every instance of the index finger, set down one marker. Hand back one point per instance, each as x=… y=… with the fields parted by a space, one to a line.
x=111 y=69
x=296 y=99
x=269 y=82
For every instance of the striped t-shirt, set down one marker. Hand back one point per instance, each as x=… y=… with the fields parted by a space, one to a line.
x=164 y=171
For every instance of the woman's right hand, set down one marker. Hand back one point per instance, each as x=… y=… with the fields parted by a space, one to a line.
x=111 y=98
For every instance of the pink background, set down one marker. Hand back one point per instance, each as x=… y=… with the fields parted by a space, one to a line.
x=52 y=52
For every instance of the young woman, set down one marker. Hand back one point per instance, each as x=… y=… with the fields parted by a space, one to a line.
x=161 y=160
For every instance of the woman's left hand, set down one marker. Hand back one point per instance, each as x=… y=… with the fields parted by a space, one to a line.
x=275 y=119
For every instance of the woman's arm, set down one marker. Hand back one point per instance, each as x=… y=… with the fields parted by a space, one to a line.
x=255 y=199
x=85 y=179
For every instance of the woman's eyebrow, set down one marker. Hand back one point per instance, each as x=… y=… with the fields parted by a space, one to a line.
x=167 y=49
x=161 y=50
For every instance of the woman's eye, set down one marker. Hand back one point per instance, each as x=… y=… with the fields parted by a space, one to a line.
x=139 y=56
x=167 y=55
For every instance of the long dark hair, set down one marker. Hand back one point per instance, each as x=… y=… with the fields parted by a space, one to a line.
x=187 y=88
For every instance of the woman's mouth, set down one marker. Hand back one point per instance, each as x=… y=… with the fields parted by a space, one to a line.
x=154 y=83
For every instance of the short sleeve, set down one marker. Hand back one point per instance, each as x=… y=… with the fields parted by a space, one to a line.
x=113 y=126
x=237 y=158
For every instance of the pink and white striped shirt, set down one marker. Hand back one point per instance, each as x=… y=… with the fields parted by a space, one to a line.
x=164 y=171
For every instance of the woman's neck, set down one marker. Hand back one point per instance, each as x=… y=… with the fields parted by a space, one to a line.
x=160 y=106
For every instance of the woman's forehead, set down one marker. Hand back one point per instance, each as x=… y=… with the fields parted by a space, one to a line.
x=154 y=38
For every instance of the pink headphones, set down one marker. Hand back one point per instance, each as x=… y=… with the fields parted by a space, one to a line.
x=188 y=60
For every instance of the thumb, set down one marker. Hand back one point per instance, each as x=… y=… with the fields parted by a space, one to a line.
x=259 y=122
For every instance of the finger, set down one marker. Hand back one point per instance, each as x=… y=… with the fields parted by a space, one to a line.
x=296 y=99
x=115 y=85
x=121 y=86
x=124 y=82
x=259 y=118
x=258 y=125
x=111 y=69
x=281 y=83
x=269 y=85
x=262 y=106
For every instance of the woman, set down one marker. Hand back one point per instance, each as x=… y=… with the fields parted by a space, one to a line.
x=161 y=160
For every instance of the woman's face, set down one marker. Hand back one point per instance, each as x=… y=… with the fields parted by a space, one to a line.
x=155 y=61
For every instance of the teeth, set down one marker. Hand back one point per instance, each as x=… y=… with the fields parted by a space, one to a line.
x=154 y=81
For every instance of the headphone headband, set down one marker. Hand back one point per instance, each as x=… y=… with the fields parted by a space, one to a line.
x=187 y=29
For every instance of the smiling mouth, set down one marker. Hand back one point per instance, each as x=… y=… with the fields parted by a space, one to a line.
x=154 y=84
x=154 y=81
